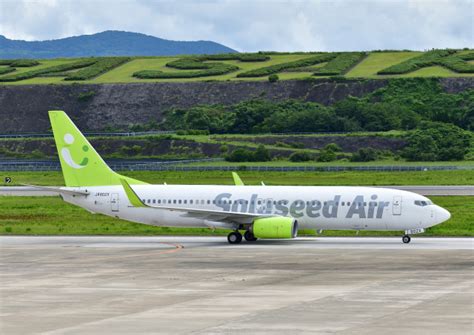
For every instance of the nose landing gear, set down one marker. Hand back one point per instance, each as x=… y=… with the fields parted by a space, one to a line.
x=406 y=239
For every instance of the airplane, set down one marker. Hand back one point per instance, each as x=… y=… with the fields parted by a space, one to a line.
x=261 y=212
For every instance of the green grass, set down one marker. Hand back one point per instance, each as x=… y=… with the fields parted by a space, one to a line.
x=52 y=216
x=377 y=61
x=368 y=68
x=461 y=177
x=342 y=162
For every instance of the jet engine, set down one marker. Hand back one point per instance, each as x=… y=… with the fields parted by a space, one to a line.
x=275 y=227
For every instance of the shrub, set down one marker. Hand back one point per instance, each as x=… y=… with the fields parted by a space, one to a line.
x=19 y=62
x=429 y=58
x=458 y=63
x=268 y=70
x=101 y=66
x=198 y=63
x=84 y=96
x=364 y=155
x=327 y=156
x=240 y=155
x=5 y=70
x=341 y=64
x=273 y=78
x=300 y=157
x=224 y=148
x=24 y=63
x=52 y=69
x=244 y=155
x=333 y=147
x=211 y=69
x=262 y=154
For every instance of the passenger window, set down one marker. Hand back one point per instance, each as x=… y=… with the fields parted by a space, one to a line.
x=154 y=201
x=208 y=202
x=179 y=201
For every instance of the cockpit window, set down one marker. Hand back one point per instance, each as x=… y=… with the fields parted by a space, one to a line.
x=423 y=203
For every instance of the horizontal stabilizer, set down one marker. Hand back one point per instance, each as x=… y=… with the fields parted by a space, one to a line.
x=59 y=190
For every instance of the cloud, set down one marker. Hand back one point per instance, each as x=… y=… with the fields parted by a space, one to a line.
x=254 y=25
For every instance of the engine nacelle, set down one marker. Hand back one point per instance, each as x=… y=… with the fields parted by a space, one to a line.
x=275 y=227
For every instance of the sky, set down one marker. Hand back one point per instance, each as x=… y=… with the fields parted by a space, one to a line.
x=255 y=25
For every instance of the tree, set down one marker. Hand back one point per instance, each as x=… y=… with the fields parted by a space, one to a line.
x=364 y=155
x=437 y=141
x=273 y=78
x=262 y=154
x=300 y=156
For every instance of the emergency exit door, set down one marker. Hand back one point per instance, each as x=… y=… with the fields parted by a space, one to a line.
x=397 y=205
x=114 y=202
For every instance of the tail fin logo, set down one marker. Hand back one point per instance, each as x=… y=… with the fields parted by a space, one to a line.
x=67 y=156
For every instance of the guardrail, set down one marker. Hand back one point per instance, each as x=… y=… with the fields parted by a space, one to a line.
x=180 y=166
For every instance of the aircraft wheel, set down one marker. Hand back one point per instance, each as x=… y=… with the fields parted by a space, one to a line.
x=234 y=238
x=406 y=239
x=249 y=237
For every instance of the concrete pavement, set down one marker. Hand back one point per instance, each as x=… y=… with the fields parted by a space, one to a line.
x=202 y=285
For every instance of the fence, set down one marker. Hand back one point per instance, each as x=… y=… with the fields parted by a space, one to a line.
x=87 y=134
x=181 y=166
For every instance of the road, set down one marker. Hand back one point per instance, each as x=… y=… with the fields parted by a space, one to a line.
x=202 y=285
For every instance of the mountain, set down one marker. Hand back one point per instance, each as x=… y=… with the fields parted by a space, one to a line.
x=107 y=43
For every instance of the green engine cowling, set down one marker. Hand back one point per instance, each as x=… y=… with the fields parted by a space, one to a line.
x=275 y=227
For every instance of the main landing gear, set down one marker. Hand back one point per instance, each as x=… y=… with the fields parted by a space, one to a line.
x=236 y=237
x=406 y=239
x=249 y=236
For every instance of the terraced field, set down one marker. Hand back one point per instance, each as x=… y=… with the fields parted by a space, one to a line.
x=232 y=67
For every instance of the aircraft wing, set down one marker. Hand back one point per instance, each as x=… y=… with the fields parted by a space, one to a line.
x=205 y=214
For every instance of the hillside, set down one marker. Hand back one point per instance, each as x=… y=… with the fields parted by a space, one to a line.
x=239 y=67
x=107 y=43
x=120 y=106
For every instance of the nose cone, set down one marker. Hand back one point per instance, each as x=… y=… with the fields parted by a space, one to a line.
x=442 y=215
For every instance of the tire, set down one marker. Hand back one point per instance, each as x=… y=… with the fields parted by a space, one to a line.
x=249 y=237
x=406 y=239
x=234 y=238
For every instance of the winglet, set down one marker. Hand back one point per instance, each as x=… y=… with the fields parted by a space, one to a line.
x=131 y=195
x=237 y=180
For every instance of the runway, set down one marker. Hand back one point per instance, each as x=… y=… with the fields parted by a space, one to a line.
x=202 y=285
x=427 y=190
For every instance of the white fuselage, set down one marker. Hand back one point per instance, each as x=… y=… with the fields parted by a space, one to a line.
x=314 y=207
